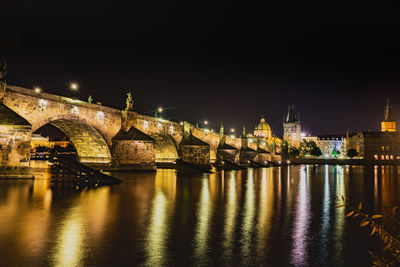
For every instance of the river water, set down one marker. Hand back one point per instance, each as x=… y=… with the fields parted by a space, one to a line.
x=281 y=216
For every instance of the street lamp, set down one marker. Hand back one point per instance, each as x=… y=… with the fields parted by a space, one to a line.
x=37 y=90
x=158 y=112
x=74 y=86
x=232 y=130
x=205 y=122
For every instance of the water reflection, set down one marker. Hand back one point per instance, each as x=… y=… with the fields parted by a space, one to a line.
x=325 y=224
x=275 y=216
x=302 y=220
x=266 y=206
x=248 y=218
x=340 y=213
x=230 y=218
x=203 y=222
x=158 y=230
x=70 y=242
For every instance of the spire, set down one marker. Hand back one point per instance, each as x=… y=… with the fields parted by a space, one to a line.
x=244 y=131
x=388 y=111
x=291 y=115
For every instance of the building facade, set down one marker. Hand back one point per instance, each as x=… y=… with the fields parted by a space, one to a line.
x=376 y=146
x=332 y=146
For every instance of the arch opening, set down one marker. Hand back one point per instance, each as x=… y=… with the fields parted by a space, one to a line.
x=89 y=144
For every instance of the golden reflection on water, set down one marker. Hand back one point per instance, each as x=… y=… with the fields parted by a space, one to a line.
x=248 y=216
x=265 y=209
x=70 y=247
x=203 y=222
x=230 y=217
x=158 y=229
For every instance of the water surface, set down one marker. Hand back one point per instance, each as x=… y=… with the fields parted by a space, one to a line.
x=282 y=216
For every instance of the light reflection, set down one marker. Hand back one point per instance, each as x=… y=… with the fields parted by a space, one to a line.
x=157 y=234
x=266 y=209
x=302 y=220
x=70 y=247
x=340 y=213
x=203 y=222
x=230 y=218
x=326 y=202
x=248 y=217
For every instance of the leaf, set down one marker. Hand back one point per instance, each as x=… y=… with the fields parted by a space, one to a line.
x=339 y=206
x=376 y=216
x=342 y=197
x=394 y=210
x=373 y=231
x=364 y=223
x=355 y=215
x=350 y=213
x=359 y=206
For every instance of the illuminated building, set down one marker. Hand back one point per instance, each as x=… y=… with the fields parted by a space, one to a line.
x=332 y=146
x=388 y=125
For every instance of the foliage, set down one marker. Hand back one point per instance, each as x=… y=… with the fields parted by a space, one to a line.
x=293 y=152
x=390 y=255
x=351 y=153
x=309 y=148
x=285 y=149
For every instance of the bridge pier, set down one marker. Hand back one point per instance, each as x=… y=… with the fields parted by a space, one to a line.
x=15 y=141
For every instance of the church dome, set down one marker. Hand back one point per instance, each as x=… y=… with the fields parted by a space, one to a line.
x=263 y=125
x=263 y=129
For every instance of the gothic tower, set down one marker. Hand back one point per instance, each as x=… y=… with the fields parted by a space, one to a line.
x=292 y=127
x=388 y=125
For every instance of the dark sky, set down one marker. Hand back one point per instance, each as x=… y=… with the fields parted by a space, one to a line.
x=224 y=61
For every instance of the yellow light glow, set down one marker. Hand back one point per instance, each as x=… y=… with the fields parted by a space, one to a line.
x=37 y=90
x=74 y=86
x=160 y=109
x=203 y=219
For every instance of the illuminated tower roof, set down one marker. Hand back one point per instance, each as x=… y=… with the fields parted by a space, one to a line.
x=388 y=125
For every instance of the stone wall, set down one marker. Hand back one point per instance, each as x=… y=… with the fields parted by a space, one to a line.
x=15 y=145
x=133 y=154
x=195 y=154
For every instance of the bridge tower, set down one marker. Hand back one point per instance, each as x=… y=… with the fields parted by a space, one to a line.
x=292 y=127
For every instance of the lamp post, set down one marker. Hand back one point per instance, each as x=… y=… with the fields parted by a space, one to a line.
x=158 y=112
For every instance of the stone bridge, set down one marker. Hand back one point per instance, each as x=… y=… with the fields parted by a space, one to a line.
x=102 y=134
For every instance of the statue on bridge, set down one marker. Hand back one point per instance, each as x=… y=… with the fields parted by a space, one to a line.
x=129 y=102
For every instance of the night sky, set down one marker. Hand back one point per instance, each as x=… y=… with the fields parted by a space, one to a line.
x=223 y=61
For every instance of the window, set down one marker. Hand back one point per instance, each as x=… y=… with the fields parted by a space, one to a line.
x=387 y=157
x=383 y=148
x=145 y=124
x=171 y=129
x=382 y=157
x=376 y=157
x=391 y=157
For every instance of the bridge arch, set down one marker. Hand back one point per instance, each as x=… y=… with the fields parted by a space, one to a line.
x=165 y=148
x=90 y=145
